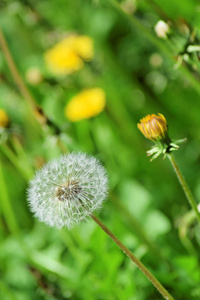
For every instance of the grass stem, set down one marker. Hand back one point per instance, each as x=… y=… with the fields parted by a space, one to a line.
x=164 y=47
x=185 y=186
x=136 y=226
x=14 y=71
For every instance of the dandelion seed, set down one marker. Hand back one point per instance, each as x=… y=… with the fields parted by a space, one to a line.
x=68 y=190
x=86 y=104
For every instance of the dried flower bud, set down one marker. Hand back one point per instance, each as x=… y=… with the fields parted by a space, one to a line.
x=67 y=190
x=153 y=127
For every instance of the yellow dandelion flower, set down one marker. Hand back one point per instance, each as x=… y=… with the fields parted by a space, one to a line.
x=153 y=127
x=63 y=61
x=68 y=55
x=87 y=104
x=83 y=45
x=4 y=120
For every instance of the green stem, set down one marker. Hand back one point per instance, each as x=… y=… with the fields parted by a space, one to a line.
x=137 y=262
x=184 y=225
x=6 y=205
x=135 y=225
x=14 y=71
x=185 y=186
x=42 y=261
x=36 y=259
x=7 y=291
x=164 y=47
x=136 y=23
x=37 y=112
x=19 y=165
x=22 y=157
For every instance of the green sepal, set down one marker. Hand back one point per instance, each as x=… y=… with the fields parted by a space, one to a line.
x=164 y=148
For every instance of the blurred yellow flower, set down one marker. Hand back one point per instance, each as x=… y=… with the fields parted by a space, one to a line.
x=69 y=55
x=86 y=104
x=83 y=45
x=4 y=120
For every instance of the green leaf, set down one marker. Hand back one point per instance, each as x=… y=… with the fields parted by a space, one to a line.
x=135 y=197
x=156 y=223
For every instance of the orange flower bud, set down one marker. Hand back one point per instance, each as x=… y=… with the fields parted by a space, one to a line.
x=153 y=127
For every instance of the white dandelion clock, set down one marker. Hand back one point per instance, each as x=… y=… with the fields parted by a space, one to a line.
x=68 y=190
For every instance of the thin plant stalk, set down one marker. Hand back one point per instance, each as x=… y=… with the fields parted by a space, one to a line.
x=184 y=225
x=22 y=157
x=14 y=71
x=6 y=205
x=184 y=186
x=130 y=218
x=135 y=225
x=6 y=290
x=164 y=47
x=35 y=258
x=40 y=116
x=24 y=169
x=136 y=261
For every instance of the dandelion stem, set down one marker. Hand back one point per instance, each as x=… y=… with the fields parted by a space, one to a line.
x=185 y=186
x=135 y=225
x=137 y=262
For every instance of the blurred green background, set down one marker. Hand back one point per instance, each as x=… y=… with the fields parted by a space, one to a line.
x=141 y=74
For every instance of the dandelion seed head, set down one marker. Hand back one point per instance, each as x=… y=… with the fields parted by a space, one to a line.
x=67 y=190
